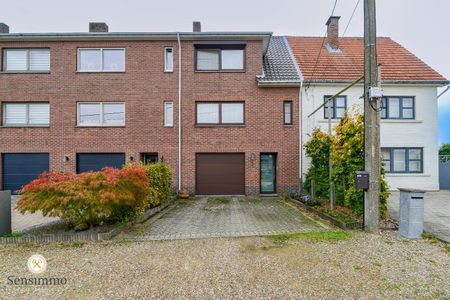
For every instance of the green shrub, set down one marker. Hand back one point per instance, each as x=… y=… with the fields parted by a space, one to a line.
x=318 y=149
x=347 y=156
x=111 y=195
x=160 y=183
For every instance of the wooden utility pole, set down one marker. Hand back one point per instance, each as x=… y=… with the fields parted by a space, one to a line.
x=371 y=120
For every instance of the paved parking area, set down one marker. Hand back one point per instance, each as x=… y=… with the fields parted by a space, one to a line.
x=227 y=217
x=21 y=222
x=436 y=214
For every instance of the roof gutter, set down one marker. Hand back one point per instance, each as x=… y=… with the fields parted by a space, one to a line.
x=137 y=36
x=406 y=82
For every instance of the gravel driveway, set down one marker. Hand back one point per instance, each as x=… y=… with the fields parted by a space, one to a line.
x=368 y=266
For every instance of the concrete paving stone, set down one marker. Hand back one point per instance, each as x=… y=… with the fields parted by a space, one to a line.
x=202 y=218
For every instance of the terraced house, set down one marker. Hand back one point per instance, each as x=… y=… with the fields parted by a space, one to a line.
x=409 y=118
x=220 y=107
x=227 y=110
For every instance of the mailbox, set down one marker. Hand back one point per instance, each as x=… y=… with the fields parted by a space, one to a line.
x=362 y=180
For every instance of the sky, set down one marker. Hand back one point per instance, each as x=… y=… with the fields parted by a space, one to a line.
x=418 y=25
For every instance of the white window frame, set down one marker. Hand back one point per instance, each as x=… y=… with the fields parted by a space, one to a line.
x=166 y=69
x=101 y=124
x=27 y=124
x=5 y=61
x=101 y=61
x=166 y=121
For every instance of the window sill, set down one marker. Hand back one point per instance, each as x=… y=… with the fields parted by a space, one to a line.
x=332 y=121
x=405 y=121
x=168 y=72
x=25 y=126
x=100 y=126
x=90 y=72
x=25 y=72
x=220 y=71
x=288 y=125
x=218 y=125
x=407 y=175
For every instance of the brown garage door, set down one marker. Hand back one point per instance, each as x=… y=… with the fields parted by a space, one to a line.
x=220 y=174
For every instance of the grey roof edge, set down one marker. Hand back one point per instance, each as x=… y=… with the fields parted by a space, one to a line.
x=291 y=53
x=265 y=36
x=284 y=83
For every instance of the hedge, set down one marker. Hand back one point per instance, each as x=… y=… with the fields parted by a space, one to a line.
x=110 y=195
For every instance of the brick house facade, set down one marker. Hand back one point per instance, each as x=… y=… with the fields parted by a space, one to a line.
x=144 y=87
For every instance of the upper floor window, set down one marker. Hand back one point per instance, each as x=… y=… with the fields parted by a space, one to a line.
x=287 y=112
x=101 y=114
x=403 y=160
x=223 y=113
x=101 y=60
x=397 y=107
x=220 y=58
x=26 y=114
x=168 y=113
x=168 y=59
x=338 y=107
x=26 y=60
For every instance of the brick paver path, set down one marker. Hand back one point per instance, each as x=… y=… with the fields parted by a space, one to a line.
x=209 y=217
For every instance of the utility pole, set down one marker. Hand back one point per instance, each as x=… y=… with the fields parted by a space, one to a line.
x=372 y=98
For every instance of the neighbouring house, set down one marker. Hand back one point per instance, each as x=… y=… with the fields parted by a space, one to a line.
x=222 y=108
x=409 y=128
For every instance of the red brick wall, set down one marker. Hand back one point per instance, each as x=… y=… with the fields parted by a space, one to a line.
x=144 y=87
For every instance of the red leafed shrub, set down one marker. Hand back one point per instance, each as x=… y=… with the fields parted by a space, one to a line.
x=110 y=195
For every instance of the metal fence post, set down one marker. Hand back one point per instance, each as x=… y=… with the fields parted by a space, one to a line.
x=5 y=212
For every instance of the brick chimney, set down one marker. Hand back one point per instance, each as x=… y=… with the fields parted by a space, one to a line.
x=98 y=27
x=196 y=26
x=4 y=28
x=333 y=32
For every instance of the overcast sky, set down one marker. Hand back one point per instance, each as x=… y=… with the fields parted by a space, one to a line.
x=421 y=26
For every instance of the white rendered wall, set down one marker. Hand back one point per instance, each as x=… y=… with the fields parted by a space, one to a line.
x=420 y=132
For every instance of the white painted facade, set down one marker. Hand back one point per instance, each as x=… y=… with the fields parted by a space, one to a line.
x=421 y=132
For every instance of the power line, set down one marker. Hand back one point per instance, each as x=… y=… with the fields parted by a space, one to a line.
x=351 y=17
x=320 y=50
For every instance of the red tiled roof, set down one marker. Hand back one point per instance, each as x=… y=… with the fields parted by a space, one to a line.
x=397 y=63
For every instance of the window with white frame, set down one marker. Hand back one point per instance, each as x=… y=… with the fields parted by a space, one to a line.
x=26 y=114
x=287 y=112
x=106 y=114
x=168 y=59
x=101 y=60
x=26 y=60
x=168 y=113
x=403 y=160
x=222 y=113
x=397 y=107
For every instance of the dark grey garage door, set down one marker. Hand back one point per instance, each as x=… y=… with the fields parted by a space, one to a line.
x=220 y=174
x=21 y=168
x=97 y=161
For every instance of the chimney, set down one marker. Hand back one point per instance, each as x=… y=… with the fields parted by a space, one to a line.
x=98 y=27
x=196 y=26
x=333 y=32
x=4 y=28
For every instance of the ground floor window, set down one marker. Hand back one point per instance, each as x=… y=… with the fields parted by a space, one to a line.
x=149 y=158
x=403 y=160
